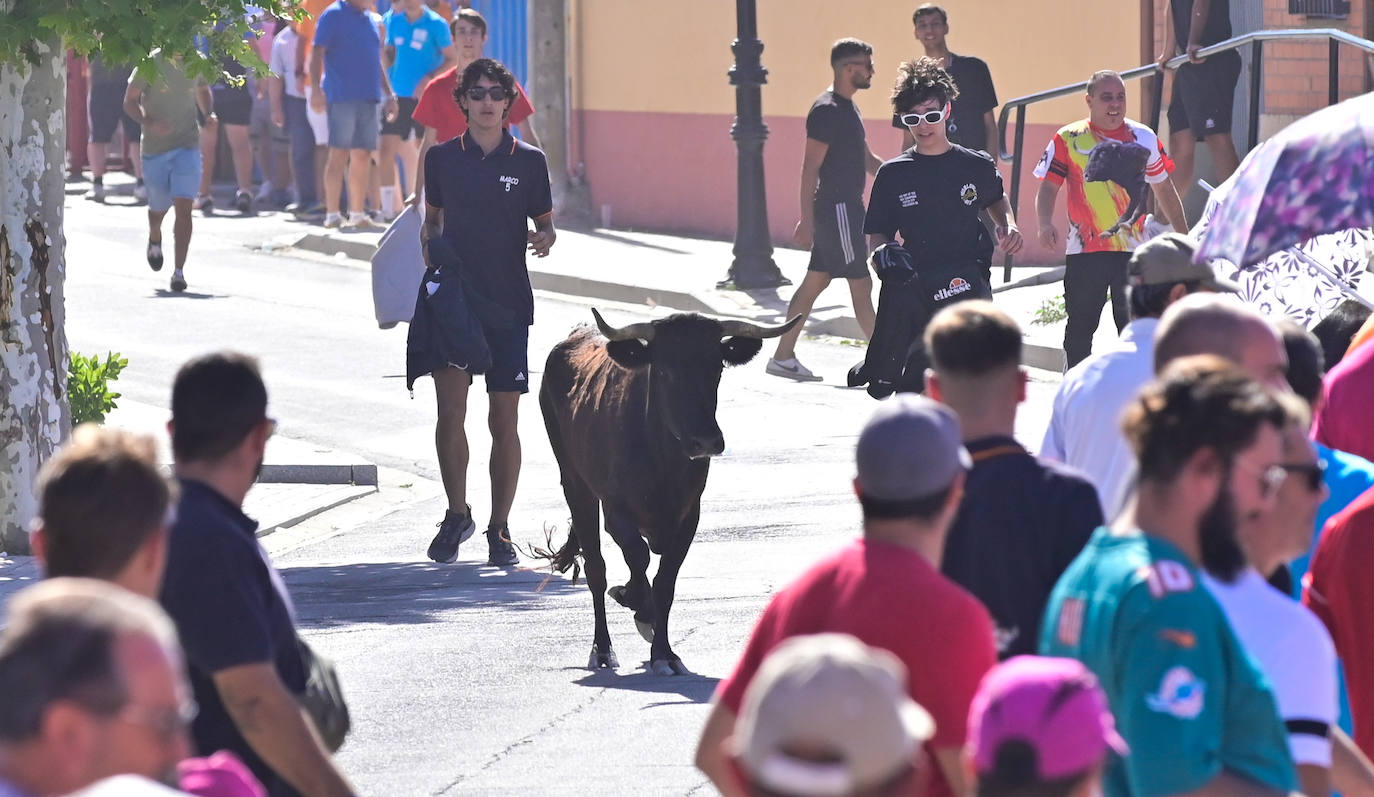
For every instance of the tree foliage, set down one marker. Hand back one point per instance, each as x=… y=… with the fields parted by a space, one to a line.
x=127 y=31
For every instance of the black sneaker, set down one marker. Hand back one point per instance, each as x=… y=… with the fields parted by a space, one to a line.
x=243 y=201
x=454 y=530
x=500 y=551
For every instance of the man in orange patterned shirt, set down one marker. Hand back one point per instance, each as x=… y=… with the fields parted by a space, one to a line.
x=1107 y=161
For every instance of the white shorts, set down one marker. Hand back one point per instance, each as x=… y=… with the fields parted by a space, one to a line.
x=319 y=121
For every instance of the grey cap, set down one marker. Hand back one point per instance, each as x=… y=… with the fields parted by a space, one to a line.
x=1168 y=258
x=833 y=698
x=911 y=448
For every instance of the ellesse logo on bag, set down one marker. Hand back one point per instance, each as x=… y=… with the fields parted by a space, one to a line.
x=957 y=286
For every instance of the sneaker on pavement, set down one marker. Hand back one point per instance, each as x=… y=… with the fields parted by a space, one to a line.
x=265 y=191
x=178 y=281
x=454 y=530
x=857 y=375
x=203 y=203
x=791 y=369
x=155 y=255
x=361 y=221
x=243 y=201
x=333 y=220
x=141 y=192
x=500 y=550
x=97 y=193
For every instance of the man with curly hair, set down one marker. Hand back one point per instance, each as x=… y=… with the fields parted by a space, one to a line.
x=932 y=195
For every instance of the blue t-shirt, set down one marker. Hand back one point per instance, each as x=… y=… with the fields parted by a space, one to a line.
x=419 y=48
x=230 y=608
x=1187 y=698
x=352 y=54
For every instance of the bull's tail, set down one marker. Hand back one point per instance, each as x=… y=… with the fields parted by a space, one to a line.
x=565 y=558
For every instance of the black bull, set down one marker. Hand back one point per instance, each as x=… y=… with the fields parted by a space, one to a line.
x=632 y=422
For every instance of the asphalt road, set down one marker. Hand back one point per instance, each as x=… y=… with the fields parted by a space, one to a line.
x=465 y=679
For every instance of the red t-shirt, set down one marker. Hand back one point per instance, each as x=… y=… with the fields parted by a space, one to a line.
x=1344 y=421
x=436 y=107
x=1339 y=589
x=889 y=597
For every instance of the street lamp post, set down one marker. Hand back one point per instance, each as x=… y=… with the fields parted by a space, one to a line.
x=753 y=266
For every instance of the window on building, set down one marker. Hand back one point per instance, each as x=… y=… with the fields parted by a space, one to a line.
x=1321 y=9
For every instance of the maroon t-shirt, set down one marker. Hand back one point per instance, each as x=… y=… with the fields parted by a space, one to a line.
x=889 y=597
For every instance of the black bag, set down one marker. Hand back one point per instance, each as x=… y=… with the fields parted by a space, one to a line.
x=323 y=699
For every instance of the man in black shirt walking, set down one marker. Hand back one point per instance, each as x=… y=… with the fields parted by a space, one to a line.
x=832 y=204
x=482 y=189
x=932 y=195
x=972 y=123
x=1022 y=520
x=1204 y=88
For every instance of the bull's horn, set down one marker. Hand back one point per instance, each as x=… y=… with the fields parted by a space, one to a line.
x=642 y=331
x=746 y=329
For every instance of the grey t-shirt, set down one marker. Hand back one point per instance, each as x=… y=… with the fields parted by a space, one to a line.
x=171 y=98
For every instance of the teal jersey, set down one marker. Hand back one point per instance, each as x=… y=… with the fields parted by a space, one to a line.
x=1187 y=698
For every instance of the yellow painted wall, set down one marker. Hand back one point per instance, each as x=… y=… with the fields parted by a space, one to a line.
x=670 y=56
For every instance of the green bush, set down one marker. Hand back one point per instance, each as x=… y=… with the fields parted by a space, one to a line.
x=88 y=386
x=1051 y=311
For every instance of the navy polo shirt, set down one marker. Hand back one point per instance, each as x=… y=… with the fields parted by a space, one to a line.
x=488 y=200
x=230 y=608
x=1021 y=523
x=352 y=54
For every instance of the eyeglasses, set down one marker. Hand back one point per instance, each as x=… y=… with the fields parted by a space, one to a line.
x=478 y=93
x=929 y=117
x=165 y=723
x=1271 y=477
x=1314 y=471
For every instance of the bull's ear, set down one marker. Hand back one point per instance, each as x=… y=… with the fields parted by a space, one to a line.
x=739 y=350
x=628 y=353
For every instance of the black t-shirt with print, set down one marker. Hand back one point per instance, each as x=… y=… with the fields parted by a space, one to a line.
x=976 y=97
x=933 y=201
x=836 y=122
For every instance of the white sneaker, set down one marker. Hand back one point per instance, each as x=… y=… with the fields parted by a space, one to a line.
x=361 y=221
x=264 y=191
x=333 y=220
x=791 y=369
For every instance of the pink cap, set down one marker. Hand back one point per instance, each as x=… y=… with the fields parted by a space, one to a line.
x=1055 y=706
x=220 y=775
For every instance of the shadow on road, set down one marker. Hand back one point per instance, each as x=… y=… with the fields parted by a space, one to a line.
x=696 y=688
x=398 y=593
x=163 y=293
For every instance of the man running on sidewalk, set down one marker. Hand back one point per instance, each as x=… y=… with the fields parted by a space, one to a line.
x=832 y=203
x=166 y=112
x=482 y=189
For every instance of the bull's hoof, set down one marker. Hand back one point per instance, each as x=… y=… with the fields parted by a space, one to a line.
x=646 y=630
x=619 y=595
x=602 y=660
x=668 y=667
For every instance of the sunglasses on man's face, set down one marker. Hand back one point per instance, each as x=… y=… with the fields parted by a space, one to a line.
x=1314 y=472
x=929 y=117
x=478 y=93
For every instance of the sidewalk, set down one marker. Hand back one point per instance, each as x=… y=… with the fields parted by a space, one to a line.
x=298 y=481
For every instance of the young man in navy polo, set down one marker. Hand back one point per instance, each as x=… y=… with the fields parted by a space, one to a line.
x=482 y=188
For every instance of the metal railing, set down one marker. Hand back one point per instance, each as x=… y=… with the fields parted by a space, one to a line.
x=1256 y=39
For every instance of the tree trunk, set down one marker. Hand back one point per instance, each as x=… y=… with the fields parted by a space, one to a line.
x=34 y=416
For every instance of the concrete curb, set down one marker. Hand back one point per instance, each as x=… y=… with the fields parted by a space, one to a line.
x=362 y=475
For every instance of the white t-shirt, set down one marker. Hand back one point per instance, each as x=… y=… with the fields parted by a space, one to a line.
x=283 y=62
x=1292 y=648
x=1085 y=429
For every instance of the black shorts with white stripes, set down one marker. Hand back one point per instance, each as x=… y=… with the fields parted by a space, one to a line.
x=838 y=247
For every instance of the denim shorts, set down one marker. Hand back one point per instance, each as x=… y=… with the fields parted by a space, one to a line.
x=353 y=125
x=171 y=175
